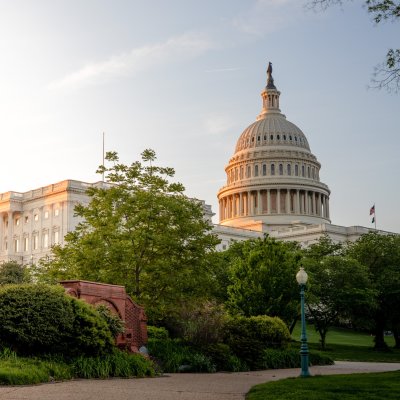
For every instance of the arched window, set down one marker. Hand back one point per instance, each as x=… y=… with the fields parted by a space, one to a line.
x=264 y=169
x=280 y=169
x=289 y=169
x=236 y=174
x=248 y=171
x=296 y=170
x=232 y=176
x=303 y=171
x=256 y=170
x=308 y=172
x=313 y=173
x=272 y=169
x=241 y=172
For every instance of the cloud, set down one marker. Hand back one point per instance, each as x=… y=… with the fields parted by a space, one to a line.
x=267 y=16
x=218 y=124
x=177 y=48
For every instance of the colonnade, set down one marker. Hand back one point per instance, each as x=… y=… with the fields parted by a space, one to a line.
x=274 y=201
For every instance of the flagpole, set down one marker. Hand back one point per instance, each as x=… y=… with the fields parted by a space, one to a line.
x=103 y=157
x=375 y=215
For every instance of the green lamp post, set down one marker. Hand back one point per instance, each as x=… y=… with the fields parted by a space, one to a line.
x=301 y=278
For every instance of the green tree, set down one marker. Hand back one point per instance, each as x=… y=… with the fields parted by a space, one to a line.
x=262 y=279
x=140 y=231
x=339 y=288
x=381 y=255
x=387 y=74
x=12 y=272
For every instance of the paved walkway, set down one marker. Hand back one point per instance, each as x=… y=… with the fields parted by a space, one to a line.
x=219 y=386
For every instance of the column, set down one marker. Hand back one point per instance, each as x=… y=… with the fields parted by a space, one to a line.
x=268 y=201
x=234 y=205
x=241 y=203
x=319 y=205
x=248 y=203
x=327 y=208
x=313 y=203
x=288 y=208
x=297 y=207
x=278 y=201
x=306 y=208
x=259 y=203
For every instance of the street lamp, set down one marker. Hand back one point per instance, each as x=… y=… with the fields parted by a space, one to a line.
x=301 y=278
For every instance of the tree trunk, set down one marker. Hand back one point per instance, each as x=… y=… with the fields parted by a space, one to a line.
x=396 y=335
x=293 y=324
x=322 y=334
x=379 y=339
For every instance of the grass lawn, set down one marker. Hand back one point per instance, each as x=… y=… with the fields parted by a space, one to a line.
x=347 y=345
x=375 y=386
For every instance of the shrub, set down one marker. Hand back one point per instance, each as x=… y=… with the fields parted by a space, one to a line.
x=248 y=337
x=290 y=358
x=154 y=332
x=223 y=358
x=200 y=324
x=173 y=355
x=43 y=319
x=113 y=321
x=117 y=364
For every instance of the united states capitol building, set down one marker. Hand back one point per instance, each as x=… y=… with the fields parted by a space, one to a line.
x=272 y=186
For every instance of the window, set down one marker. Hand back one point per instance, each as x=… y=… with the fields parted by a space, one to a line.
x=17 y=221
x=16 y=245
x=26 y=244
x=264 y=169
x=272 y=137
x=272 y=169
x=256 y=170
x=308 y=172
x=236 y=174
x=26 y=219
x=248 y=171
x=278 y=137
x=303 y=171
x=46 y=214
x=296 y=170
x=289 y=169
x=241 y=172
x=57 y=211
x=46 y=240
x=36 y=217
x=56 y=237
x=280 y=169
x=35 y=241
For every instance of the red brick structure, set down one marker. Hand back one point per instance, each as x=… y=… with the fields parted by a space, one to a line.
x=116 y=299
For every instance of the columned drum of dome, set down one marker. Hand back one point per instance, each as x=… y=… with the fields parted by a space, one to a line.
x=273 y=178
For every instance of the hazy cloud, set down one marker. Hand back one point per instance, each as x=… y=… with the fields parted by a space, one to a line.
x=218 y=124
x=267 y=16
x=138 y=59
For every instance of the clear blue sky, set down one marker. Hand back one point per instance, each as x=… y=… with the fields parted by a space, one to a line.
x=184 y=78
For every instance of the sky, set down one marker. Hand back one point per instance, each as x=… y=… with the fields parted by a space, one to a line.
x=184 y=78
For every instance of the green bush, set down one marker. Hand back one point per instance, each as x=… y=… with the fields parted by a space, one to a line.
x=154 y=332
x=223 y=358
x=114 y=322
x=290 y=358
x=173 y=355
x=117 y=364
x=38 y=319
x=248 y=337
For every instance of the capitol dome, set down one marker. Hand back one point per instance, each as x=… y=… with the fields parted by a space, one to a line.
x=273 y=178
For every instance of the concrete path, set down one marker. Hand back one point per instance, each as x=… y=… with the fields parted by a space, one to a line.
x=219 y=386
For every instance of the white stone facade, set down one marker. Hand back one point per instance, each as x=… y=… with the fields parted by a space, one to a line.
x=33 y=221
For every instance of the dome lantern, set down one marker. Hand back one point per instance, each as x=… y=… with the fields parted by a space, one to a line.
x=270 y=96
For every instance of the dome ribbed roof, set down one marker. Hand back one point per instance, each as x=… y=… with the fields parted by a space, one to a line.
x=272 y=130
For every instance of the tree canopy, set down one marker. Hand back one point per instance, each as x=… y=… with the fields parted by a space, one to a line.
x=141 y=231
x=387 y=74
x=380 y=254
x=262 y=278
